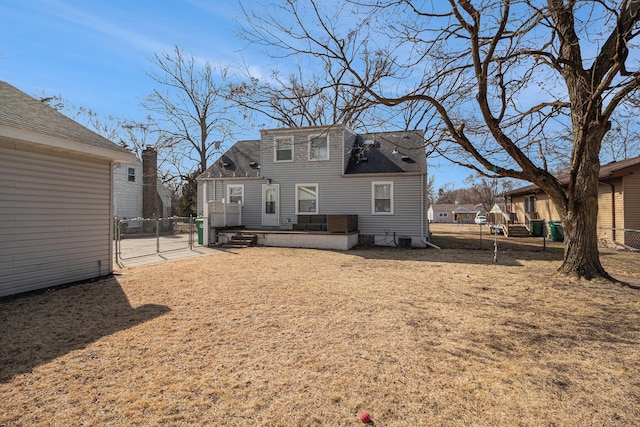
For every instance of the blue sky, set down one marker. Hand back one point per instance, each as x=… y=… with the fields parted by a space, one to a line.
x=95 y=54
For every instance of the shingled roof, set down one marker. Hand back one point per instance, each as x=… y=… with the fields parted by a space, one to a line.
x=607 y=172
x=239 y=161
x=20 y=111
x=388 y=152
x=373 y=153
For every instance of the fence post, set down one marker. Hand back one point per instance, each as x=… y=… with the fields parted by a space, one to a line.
x=118 y=241
x=157 y=235
x=190 y=232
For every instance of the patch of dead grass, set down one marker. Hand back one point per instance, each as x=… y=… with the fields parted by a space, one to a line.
x=285 y=337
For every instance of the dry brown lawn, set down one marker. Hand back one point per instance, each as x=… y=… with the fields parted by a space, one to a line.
x=288 y=337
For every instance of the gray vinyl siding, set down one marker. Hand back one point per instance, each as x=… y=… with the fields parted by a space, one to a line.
x=251 y=210
x=337 y=193
x=301 y=167
x=55 y=218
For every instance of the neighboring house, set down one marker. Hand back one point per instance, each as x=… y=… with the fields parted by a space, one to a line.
x=292 y=179
x=452 y=213
x=618 y=202
x=56 y=188
x=130 y=180
x=127 y=190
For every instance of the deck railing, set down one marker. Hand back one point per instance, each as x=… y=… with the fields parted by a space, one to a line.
x=223 y=214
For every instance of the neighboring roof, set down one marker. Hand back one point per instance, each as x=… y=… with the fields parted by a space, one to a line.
x=453 y=207
x=463 y=209
x=388 y=152
x=21 y=112
x=607 y=172
x=239 y=161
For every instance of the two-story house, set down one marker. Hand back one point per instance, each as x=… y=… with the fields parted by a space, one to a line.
x=298 y=180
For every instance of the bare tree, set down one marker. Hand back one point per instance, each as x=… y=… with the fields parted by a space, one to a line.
x=305 y=99
x=623 y=140
x=487 y=191
x=193 y=114
x=500 y=81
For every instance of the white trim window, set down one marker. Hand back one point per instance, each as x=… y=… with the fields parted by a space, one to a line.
x=382 y=198
x=235 y=193
x=131 y=174
x=283 y=149
x=306 y=199
x=318 y=147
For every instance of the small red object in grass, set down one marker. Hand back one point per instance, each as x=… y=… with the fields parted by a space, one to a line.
x=365 y=418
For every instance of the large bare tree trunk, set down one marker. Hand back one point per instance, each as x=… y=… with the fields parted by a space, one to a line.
x=579 y=220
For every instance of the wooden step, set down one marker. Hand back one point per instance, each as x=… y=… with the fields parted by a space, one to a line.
x=240 y=241
x=518 y=230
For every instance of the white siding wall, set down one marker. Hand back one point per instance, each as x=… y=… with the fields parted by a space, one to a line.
x=55 y=218
x=127 y=196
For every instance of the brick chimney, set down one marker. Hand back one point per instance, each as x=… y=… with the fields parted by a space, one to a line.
x=151 y=202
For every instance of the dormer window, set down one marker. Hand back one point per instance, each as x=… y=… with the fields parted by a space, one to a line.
x=283 y=149
x=318 y=148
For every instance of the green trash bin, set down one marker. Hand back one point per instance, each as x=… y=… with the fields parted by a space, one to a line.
x=556 y=233
x=200 y=227
x=536 y=227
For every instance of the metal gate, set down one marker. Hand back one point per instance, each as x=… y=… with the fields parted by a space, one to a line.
x=140 y=237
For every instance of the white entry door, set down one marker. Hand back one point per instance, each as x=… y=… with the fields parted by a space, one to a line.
x=271 y=205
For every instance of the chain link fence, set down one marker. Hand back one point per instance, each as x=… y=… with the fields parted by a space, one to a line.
x=619 y=238
x=140 y=237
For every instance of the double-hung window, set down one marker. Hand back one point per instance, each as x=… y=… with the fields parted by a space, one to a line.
x=131 y=174
x=306 y=199
x=382 y=198
x=283 y=149
x=318 y=148
x=235 y=193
